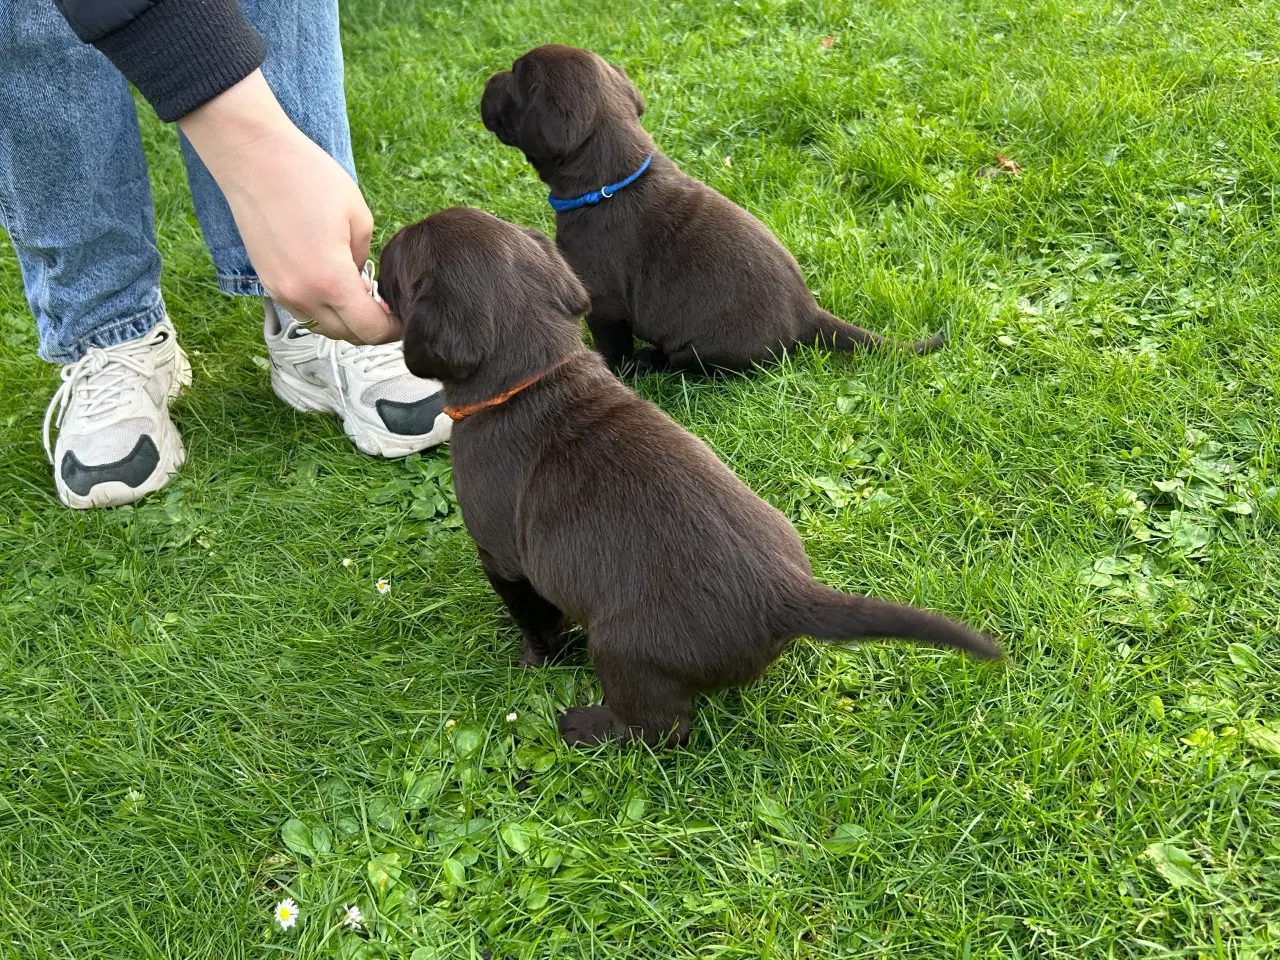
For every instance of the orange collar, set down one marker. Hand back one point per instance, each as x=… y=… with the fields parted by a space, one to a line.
x=457 y=413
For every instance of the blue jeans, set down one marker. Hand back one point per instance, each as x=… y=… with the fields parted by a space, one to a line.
x=74 y=193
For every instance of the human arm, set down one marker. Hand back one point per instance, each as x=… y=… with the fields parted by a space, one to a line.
x=302 y=218
x=303 y=221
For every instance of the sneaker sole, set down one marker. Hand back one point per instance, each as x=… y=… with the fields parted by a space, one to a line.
x=173 y=454
x=305 y=397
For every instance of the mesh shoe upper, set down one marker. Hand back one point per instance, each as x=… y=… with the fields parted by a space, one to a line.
x=385 y=408
x=115 y=439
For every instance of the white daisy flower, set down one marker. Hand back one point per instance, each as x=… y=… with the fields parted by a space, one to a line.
x=354 y=919
x=384 y=587
x=286 y=913
x=346 y=561
x=511 y=717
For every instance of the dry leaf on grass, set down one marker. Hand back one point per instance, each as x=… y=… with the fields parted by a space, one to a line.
x=828 y=42
x=1003 y=166
x=1010 y=165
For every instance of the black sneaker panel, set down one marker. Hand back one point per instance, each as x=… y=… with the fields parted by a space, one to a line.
x=411 y=419
x=133 y=470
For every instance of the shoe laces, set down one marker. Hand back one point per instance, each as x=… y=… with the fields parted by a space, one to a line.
x=367 y=360
x=370 y=361
x=101 y=382
x=374 y=359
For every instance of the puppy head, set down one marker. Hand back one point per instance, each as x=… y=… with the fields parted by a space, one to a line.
x=554 y=97
x=473 y=292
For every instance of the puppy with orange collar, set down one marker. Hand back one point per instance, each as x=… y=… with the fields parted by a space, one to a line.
x=589 y=505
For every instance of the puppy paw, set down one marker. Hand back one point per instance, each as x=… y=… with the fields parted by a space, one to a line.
x=539 y=650
x=650 y=360
x=618 y=363
x=587 y=726
x=531 y=658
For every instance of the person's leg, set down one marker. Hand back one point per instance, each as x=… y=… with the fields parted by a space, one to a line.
x=76 y=203
x=385 y=409
x=74 y=194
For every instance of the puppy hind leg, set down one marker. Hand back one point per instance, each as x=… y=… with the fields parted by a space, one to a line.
x=639 y=704
x=710 y=363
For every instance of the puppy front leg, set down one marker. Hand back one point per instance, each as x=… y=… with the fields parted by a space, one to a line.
x=612 y=339
x=542 y=625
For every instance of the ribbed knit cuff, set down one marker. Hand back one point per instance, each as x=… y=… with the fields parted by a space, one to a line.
x=181 y=54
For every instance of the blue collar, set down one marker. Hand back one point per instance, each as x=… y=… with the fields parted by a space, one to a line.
x=595 y=196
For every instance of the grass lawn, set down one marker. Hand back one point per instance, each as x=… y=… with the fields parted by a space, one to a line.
x=203 y=710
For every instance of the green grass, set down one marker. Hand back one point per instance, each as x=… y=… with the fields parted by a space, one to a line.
x=179 y=680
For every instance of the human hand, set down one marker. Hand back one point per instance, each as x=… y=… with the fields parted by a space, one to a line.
x=304 y=223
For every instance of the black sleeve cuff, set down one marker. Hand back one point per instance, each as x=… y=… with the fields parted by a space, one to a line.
x=180 y=54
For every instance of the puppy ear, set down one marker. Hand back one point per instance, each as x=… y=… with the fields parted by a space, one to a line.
x=559 y=115
x=630 y=87
x=566 y=288
x=569 y=291
x=446 y=339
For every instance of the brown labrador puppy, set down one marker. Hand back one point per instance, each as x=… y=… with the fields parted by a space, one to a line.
x=589 y=505
x=664 y=257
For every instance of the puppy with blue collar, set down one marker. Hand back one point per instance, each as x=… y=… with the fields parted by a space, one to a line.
x=664 y=257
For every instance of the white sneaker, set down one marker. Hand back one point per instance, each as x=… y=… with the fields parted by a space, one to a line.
x=385 y=410
x=116 y=442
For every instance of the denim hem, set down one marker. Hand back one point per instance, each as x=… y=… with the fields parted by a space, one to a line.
x=111 y=335
x=241 y=286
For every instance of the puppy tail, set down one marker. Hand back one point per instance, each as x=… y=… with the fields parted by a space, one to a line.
x=831 y=615
x=833 y=333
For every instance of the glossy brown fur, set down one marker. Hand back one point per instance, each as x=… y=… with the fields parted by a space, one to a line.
x=590 y=505
x=667 y=259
